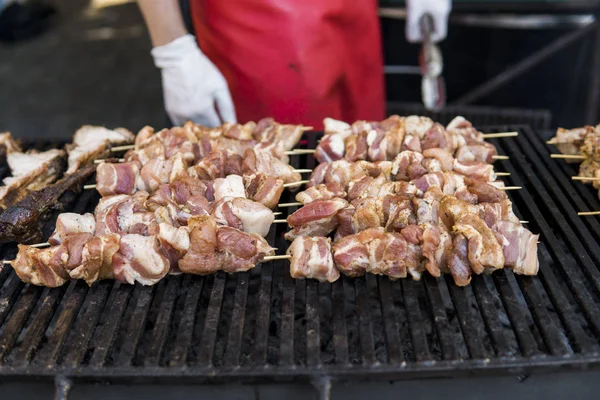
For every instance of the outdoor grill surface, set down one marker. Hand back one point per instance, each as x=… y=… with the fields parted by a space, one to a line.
x=264 y=326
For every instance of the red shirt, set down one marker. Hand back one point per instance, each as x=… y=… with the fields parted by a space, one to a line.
x=297 y=61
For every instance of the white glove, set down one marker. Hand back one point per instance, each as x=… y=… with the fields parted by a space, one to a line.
x=416 y=9
x=193 y=88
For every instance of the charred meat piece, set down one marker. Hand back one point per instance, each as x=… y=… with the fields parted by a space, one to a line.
x=30 y=172
x=23 y=222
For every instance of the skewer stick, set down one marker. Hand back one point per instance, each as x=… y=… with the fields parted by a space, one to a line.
x=282 y=205
x=121 y=148
x=294 y=184
x=499 y=135
x=586 y=213
x=100 y=161
x=307 y=128
x=7 y=262
x=524 y=222
x=296 y=152
x=303 y=171
x=510 y=188
x=502 y=173
x=499 y=157
x=88 y=187
x=569 y=156
x=40 y=245
x=585 y=178
x=282 y=257
x=280 y=221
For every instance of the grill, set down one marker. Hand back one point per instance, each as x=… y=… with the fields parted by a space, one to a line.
x=263 y=326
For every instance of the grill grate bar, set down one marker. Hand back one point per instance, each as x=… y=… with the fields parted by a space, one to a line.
x=188 y=319
x=234 y=342
x=51 y=351
x=209 y=334
x=415 y=320
x=364 y=322
x=136 y=325
x=491 y=319
x=518 y=320
x=469 y=324
x=18 y=319
x=448 y=340
x=98 y=295
x=161 y=327
x=390 y=323
x=286 y=346
x=261 y=331
x=108 y=331
x=36 y=331
x=313 y=350
x=8 y=295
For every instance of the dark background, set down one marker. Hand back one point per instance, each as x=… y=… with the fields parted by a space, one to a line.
x=94 y=67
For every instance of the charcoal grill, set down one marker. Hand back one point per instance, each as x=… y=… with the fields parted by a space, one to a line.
x=262 y=326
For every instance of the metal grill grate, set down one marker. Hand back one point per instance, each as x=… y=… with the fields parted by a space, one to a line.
x=264 y=326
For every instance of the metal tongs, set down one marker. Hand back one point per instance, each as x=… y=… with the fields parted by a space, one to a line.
x=433 y=87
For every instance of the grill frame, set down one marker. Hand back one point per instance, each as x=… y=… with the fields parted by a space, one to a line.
x=554 y=318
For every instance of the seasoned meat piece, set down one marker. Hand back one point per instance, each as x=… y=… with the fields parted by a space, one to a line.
x=139 y=259
x=407 y=166
x=588 y=168
x=230 y=186
x=318 y=218
x=345 y=226
x=429 y=180
x=451 y=209
x=331 y=147
x=321 y=192
x=482 y=152
x=264 y=189
x=202 y=256
x=42 y=267
x=242 y=251
x=484 y=251
x=458 y=263
x=155 y=173
x=398 y=212
x=117 y=178
x=69 y=223
x=368 y=214
x=312 y=258
x=569 y=141
x=475 y=170
x=351 y=256
x=443 y=156
x=519 y=247
x=244 y=214
x=256 y=161
x=93 y=142
x=484 y=191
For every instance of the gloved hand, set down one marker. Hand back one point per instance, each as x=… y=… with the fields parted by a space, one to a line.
x=438 y=9
x=193 y=87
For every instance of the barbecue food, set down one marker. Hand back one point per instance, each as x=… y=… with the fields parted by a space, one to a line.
x=312 y=258
x=23 y=221
x=128 y=177
x=200 y=248
x=30 y=171
x=380 y=141
x=93 y=142
x=569 y=141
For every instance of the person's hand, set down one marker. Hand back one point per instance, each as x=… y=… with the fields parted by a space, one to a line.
x=416 y=9
x=193 y=87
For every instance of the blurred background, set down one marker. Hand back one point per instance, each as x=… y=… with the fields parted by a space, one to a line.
x=90 y=64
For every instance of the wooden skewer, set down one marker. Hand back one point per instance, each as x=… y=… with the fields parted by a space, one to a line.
x=280 y=221
x=88 y=187
x=294 y=184
x=569 y=156
x=510 y=188
x=585 y=178
x=499 y=135
x=40 y=245
x=100 y=161
x=7 y=262
x=307 y=128
x=586 y=213
x=289 y=205
x=282 y=257
x=296 y=152
x=121 y=148
x=277 y=213
x=502 y=173
x=498 y=157
x=303 y=171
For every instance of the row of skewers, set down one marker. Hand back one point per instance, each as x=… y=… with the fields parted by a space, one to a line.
x=581 y=145
x=411 y=194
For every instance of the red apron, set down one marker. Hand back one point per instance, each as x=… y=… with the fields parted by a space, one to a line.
x=297 y=61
